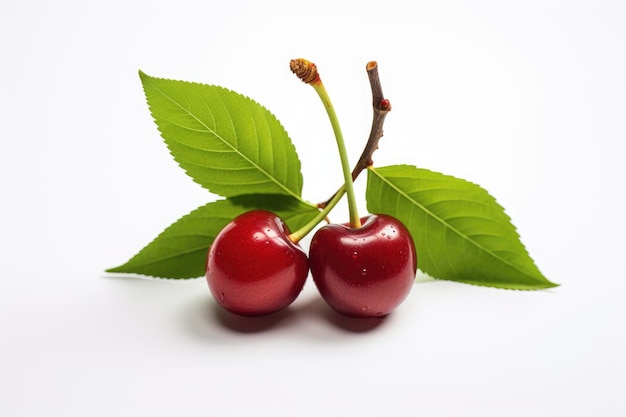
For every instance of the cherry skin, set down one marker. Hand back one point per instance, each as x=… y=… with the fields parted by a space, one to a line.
x=253 y=268
x=366 y=271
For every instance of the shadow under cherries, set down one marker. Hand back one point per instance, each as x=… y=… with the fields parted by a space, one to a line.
x=316 y=307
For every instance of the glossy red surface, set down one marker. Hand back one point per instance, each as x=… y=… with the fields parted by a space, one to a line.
x=366 y=271
x=253 y=268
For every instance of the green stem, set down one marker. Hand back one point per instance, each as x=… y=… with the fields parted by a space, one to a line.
x=296 y=236
x=355 y=220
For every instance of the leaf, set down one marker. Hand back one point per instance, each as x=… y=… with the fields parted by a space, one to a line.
x=461 y=233
x=180 y=250
x=226 y=142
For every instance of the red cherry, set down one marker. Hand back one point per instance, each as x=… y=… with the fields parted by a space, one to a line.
x=253 y=268
x=366 y=271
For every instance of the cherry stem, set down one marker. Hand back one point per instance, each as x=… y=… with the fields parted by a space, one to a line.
x=296 y=236
x=355 y=220
x=381 y=106
x=307 y=72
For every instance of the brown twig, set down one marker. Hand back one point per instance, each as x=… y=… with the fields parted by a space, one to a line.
x=381 y=106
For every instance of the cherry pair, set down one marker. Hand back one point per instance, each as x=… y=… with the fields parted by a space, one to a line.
x=363 y=269
x=254 y=267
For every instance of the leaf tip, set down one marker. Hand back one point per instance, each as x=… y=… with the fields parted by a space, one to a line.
x=143 y=76
x=544 y=284
x=115 y=269
x=550 y=284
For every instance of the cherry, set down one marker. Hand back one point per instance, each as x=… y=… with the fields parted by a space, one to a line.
x=365 y=271
x=253 y=268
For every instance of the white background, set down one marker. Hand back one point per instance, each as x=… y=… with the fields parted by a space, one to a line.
x=525 y=98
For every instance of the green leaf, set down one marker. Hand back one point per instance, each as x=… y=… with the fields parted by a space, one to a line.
x=226 y=142
x=180 y=250
x=461 y=233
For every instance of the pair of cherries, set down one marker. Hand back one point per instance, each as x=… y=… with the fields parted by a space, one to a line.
x=254 y=268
